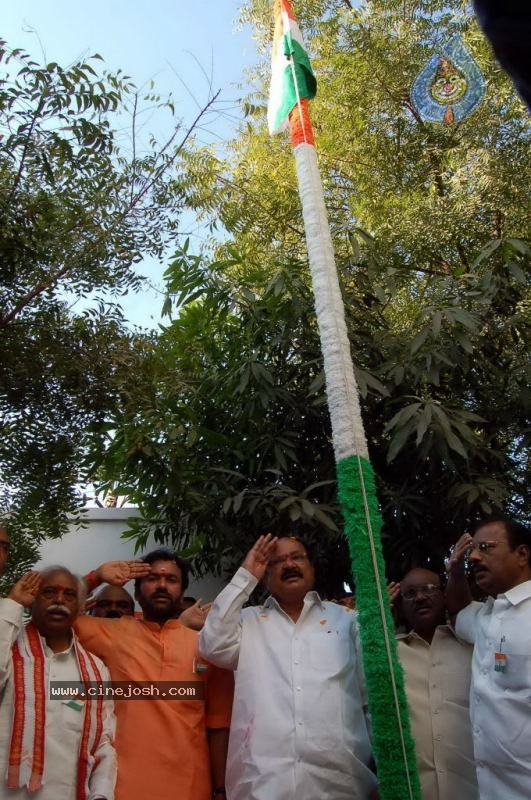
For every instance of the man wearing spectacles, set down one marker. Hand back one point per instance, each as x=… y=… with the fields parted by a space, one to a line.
x=4 y=548
x=437 y=678
x=299 y=728
x=499 y=557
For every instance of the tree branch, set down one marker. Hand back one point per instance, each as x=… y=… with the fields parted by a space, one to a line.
x=44 y=286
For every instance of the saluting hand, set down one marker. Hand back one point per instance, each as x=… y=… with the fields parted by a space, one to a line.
x=194 y=617
x=457 y=557
x=257 y=558
x=393 y=590
x=25 y=590
x=117 y=573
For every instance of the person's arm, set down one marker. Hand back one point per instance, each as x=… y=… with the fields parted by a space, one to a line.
x=117 y=573
x=103 y=776
x=458 y=594
x=219 y=641
x=12 y=608
x=97 y=634
x=218 y=742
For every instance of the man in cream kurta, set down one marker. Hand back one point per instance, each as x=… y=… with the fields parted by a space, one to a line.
x=299 y=729
x=437 y=667
x=64 y=718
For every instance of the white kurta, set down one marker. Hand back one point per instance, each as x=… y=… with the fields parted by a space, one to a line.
x=64 y=724
x=299 y=729
x=500 y=702
x=437 y=678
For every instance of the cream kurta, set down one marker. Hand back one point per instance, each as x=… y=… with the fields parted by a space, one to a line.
x=64 y=724
x=437 y=678
x=299 y=729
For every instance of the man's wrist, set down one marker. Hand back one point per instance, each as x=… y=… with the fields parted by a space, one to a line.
x=93 y=579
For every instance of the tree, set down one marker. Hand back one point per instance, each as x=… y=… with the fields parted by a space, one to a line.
x=80 y=206
x=428 y=223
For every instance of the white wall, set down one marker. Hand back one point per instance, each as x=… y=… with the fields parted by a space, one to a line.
x=83 y=549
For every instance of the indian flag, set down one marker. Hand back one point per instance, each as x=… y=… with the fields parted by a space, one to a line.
x=292 y=76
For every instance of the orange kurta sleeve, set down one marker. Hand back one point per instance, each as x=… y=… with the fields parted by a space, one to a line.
x=96 y=634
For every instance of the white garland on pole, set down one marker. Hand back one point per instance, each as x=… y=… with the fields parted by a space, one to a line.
x=347 y=425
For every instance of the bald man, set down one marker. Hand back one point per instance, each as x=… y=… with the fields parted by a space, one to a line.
x=113 y=602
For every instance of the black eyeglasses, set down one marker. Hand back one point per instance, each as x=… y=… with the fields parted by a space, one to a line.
x=424 y=588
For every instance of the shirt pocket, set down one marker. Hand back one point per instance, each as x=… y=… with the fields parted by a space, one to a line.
x=72 y=716
x=516 y=676
x=329 y=651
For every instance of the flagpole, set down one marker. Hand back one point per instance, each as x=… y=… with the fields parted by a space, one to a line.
x=392 y=743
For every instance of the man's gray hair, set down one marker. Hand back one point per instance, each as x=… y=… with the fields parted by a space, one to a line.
x=81 y=588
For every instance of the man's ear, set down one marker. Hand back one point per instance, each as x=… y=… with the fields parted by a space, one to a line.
x=525 y=552
x=265 y=579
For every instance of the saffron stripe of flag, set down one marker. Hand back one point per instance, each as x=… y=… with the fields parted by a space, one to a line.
x=292 y=76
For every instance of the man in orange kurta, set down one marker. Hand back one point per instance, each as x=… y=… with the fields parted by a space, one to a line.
x=167 y=749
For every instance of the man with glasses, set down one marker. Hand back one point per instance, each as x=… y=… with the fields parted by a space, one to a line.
x=4 y=548
x=499 y=558
x=437 y=677
x=299 y=727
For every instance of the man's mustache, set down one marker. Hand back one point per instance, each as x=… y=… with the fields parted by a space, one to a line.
x=58 y=607
x=290 y=572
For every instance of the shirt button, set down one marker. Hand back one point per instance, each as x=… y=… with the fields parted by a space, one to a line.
x=298 y=688
x=296 y=662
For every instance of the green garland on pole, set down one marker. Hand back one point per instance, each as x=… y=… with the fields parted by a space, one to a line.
x=392 y=741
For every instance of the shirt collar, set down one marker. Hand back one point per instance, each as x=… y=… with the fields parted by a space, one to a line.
x=310 y=599
x=445 y=629
x=518 y=593
x=49 y=653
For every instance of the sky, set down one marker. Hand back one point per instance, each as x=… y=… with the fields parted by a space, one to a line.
x=172 y=42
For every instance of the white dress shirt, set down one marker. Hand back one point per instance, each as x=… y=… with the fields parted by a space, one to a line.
x=437 y=681
x=500 y=701
x=64 y=723
x=299 y=729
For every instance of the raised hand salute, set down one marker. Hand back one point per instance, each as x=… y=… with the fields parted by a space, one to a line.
x=25 y=590
x=257 y=558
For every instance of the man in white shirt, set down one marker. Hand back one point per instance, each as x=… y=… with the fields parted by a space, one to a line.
x=51 y=748
x=437 y=678
x=499 y=555
x=299 y=726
